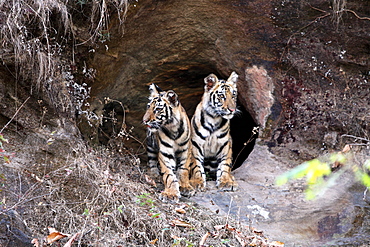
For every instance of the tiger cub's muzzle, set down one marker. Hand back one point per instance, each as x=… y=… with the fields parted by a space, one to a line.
x=150 y=121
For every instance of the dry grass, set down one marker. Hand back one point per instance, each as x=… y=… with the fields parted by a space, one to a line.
x=33 y=33
x=26 y=32
x=106 y=199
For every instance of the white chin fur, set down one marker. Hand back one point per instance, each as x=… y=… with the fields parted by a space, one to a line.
x=151 y=129
x=229 y=116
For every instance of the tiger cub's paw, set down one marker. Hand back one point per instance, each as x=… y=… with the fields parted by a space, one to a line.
x=170 y=195
x=187 y=190
x=227 y=182
x=198 y=183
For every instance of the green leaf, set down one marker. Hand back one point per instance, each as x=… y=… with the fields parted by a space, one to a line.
x=321 y=186
x=365 y=179
x=282 y=179
x=338 y=157
x=156 y=215
x=86 y=212
x=367 y=164
x=316 y=170
x=6 y=159
x=2 y=138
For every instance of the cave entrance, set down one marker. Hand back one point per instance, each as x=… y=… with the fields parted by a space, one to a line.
x=188 y=83
x=241 y=130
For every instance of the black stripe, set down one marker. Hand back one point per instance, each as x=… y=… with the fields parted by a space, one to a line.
x=222 y=124
x=222 y=147
x=222 y=159
x=167 y=133
x=179 y=152
x=213 y=97
x=166 y=144
x=199 y=159
x=152 y=158
x=173 y=181
x=151 y=141
x=168 y=175
x=197 y=132
x=197 y=146
x=170 y=156
x=192 y=171
x=167 y=113
x=180 y=161
x=223 y=134
x=181 y=130
x=183 y=143
x=229 y=165
x=152 y=150
x=203 y=123
x=213 y=163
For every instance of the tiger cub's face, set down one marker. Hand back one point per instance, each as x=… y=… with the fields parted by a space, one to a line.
x=160 y=107
x=221 y=95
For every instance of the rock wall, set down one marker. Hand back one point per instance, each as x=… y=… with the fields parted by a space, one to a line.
x=175 y=44
x=300 y=75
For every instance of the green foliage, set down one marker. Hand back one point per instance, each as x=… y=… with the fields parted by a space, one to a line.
x=363 y=174
x=181 y=242
x=225 y=241
x=143 y=200
x=2 y=139
x=314 y=171
x=2 y=150
x=319 y=176
x=86 y=212
x=120 y=209
x=2 y=180
x=156 y=216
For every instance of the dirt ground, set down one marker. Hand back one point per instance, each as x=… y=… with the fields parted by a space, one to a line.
x=104 y=198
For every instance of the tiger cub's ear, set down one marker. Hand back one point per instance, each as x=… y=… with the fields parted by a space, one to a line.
x=210 y=82
x=233 y=78
x=172 y=98
x=154 y=90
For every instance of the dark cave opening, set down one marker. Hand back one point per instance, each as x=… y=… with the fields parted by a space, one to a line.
x=241 y=130
x=188 y=83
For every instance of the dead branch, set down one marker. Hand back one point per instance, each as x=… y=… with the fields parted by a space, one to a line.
x=15 y=114
x=357 y=16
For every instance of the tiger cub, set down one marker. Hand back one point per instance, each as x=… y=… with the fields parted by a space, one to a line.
x=211 y=140
x=168 y=142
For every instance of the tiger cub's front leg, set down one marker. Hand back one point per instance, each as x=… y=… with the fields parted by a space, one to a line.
x=197 y=174
x=152 y=151
x=171 y=184
x=225 y=180
x=184 y=157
